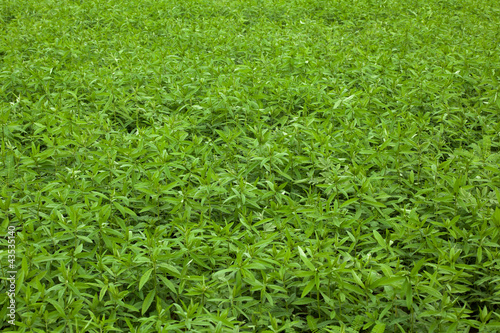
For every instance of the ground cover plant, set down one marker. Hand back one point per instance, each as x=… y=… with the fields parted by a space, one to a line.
x=250 y=166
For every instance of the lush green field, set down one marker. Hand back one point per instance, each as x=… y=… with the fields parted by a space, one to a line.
x=250 y=166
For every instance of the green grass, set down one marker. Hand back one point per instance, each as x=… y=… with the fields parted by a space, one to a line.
x=251 y=166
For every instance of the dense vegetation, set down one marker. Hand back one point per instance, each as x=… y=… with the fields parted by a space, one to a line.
x=251 y=166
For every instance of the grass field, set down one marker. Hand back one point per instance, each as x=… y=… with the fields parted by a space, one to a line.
x=250 y=166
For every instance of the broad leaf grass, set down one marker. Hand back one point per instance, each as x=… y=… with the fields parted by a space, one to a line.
x=251 y=166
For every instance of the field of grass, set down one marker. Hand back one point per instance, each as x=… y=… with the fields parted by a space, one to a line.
x=250 y=166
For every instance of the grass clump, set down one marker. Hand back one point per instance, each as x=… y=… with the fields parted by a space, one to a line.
x=253 y=166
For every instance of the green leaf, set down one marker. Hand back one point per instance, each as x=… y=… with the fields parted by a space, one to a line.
x=148 y=300
x=407 y=287
x=305 y=259
x=124 y=210
x=312 y=323
x=348 y=202
x=431 y=291
x=452 y=328
x=417 y=266
x=496 y=217
x=308 y=288
x=104 y=213
x=169 y=284
x=102 y=292
x=59 y=307
x=170 y=269
x=378 y=328
x=145 y=278
x=357 y=279
x=387 y=281
x=108 y=104
x=379 y=239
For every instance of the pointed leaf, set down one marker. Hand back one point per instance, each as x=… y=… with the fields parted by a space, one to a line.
x=387 y=281
x=308 y=288
x=145 y=278
x=380 y=240
x=305 y=260
x=148 y=300
x=348 y=202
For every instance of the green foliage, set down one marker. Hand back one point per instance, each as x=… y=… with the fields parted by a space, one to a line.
x=253 y=166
